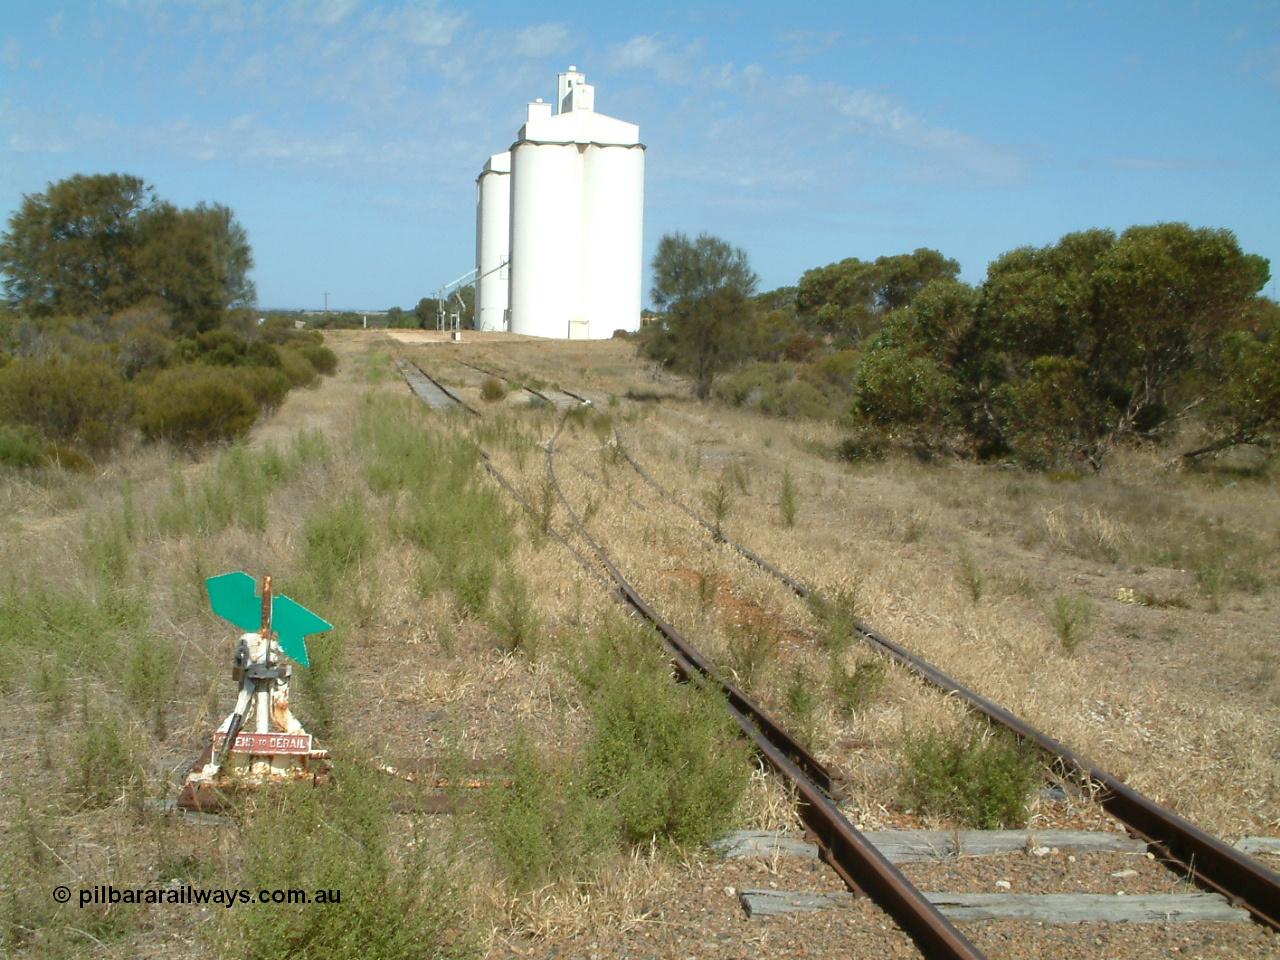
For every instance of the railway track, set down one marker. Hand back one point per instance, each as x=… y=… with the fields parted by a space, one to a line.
x=1176 y=841
x=860 y=865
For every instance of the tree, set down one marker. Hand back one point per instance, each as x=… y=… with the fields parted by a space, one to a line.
x=851 y=297
x=95 y=245
x=1135 y=315
x=704 y=286
x=70 y=250
x=685 y=269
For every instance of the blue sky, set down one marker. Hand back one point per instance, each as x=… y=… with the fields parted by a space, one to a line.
x=347 y=135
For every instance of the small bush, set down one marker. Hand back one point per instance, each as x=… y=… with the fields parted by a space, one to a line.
x=664 y=756
x=545 y=827
x=335 y=540
x=719 y=502
x=854 y=691
x=492 y=390
x=751 y=646
x=106 y=767
x=980 y=778
x=196 y=405
x=802 y=701
x=472 y=586
x=324 y=360
x=515 y=621
x=19 y=446
x=1071 y=617
x=266 y=385
x=399 y=901
x=788 y=500
x=970 y=576
x=77 y=403
x=300 y=371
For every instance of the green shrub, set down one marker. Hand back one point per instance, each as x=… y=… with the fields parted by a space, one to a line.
x=970 y=576
x=515 y=621
x=196 y=405
x=472 y=585
x=854 y=691
x=105 y=764
x=794 y=400
x=78 y=403
x=980 y=778
x=399 y=900
x=324 y=360
x=492 y=390
x=545 y=827
x=300 y=371
x=747 y=386
x=665 y=757
x=788 y=500
x=1071 y=617
x=266 y=385
x=335 y=540
x=802 y=701
x=19 y=446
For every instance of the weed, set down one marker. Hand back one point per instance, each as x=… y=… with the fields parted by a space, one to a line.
x=397 y=900
x=472 y=586
x=838 y=616
x=335 y=540
x=854 y=691
x=492 y=390
x=323 y=685
x=970 y=576
x=105 y=765
x=719 y=502
x=739 y=474
x=802 y=701
x=515 y=621
x=545 y=827
x=1071 y=616
x=980 y=778
x=750 y=646
x=148 y=680
x=706 y=589
x=788 y=500
x=664 y=756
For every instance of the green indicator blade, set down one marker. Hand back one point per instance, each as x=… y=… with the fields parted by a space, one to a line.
x=232 y=597
x=293 y=622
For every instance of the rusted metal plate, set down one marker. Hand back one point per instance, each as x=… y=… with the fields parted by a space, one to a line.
x=268 y=744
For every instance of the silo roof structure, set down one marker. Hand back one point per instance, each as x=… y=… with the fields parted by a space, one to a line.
x=576 y=202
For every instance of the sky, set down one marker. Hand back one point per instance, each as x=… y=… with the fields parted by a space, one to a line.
x=347 y=135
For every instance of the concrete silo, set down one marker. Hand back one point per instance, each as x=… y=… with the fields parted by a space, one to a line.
x=493 y=242
x=576 y=219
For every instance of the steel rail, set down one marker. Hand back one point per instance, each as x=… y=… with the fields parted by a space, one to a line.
x=862 y=867
x=523 y=386
x=1174 y=839
x=445 y=390
x=519 y=498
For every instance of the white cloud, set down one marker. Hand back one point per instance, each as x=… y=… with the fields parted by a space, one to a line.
x=1159 y=164
x=649 y=53
x=55 y=23
x=543 y=40
x=1266 y=63
x=11 y=54
x=802 y=44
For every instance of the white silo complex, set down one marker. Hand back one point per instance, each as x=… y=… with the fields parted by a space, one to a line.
x=493 y=242
x=576 y=200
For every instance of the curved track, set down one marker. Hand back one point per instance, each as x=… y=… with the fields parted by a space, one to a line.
x=1178 y=842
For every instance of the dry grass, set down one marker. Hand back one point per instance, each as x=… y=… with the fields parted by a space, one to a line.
x=1176 y=688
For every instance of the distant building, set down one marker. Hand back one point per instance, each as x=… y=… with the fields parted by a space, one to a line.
x=560 y=223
